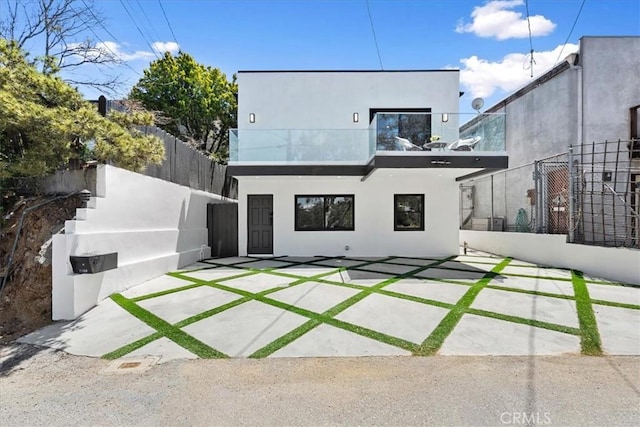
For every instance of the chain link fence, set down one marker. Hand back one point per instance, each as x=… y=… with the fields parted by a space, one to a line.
x=590 y=193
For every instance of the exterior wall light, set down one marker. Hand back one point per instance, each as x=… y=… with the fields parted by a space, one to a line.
x=445 y=117
x=252 y=118
x=356 y=117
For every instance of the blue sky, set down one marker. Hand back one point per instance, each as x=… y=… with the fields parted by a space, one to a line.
x=487 y=40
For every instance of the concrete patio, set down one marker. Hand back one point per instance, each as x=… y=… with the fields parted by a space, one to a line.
x=475 y=304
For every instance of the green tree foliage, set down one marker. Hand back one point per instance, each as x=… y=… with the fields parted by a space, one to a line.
x=198 y=103
x=44 y=123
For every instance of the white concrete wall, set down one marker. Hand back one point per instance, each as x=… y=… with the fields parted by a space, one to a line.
x=327 y=100
x=620 y=264
x=155 y=226
x=374 y=233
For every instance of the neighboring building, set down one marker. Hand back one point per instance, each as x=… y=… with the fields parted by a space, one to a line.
x=332 y=162
x=590 y=100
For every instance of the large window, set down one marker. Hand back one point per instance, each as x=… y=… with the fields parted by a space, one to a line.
x=320 y=212
x=412 y=124
x=408 y=212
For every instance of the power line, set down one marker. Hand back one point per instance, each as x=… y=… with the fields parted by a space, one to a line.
x=155 y=34
x=109 y=33
x=375 y=39
x=575 y=21
x=168 y=23
x=139 y=30
x=531 y=60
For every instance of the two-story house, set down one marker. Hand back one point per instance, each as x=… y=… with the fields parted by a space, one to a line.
x=359 y=163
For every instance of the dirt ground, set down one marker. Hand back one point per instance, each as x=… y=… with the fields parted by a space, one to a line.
x=25 y=301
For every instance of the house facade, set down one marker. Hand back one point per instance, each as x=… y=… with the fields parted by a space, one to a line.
x=361 y=163
x=590 y=101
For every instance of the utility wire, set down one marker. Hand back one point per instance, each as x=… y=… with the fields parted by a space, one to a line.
x=168 y=23
x=109 y=33
x=531 y=60
x=575 y=21
x=375 y=39
x=155 y=34
x=139 y=30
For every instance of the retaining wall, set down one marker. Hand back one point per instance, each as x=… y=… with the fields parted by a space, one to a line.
x=155 y=227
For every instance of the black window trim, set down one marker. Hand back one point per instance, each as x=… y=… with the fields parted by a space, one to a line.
x=395 y=212
x=353 y=210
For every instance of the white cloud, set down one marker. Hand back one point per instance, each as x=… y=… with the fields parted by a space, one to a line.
x=496 y=19
x=109 y=49
x=482 y=77
x=116 y=50
x=162 y=47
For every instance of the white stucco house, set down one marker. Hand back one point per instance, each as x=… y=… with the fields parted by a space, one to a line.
x=335 y=162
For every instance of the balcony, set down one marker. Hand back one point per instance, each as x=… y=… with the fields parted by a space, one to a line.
x=391 y=140
x=388 y=133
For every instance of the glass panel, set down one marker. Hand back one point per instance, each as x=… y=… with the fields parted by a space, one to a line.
x=309 y=213
x=489 y=128
x=300 y=145
x=420 y=133
x=409 y=212
x=339 y=212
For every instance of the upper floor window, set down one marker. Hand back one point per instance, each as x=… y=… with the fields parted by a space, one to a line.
x=413 y=125
x=408 y=212
x=324 y=212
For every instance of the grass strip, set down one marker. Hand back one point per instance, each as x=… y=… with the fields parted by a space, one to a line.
x=615 y=304
x=589 y=337
x=435 y=340
x=530 y=292
x=328 y=316
x=200 y=316
x=524 y=321
x=126 y=349
x=165 y=292
x=529 y=276
x=163 y=327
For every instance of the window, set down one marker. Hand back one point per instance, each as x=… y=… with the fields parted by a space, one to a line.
x=324 y=213
x=413 y=124
x=634 y=120
x=408 y=212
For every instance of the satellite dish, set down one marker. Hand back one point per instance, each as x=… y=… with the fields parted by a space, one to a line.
x=477 y=104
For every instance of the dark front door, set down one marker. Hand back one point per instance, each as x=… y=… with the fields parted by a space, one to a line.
x=260 y=218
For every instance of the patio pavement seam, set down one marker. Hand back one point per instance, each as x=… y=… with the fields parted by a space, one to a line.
x=431 y=344
x=175 y=334
x=435 y=340
x=330 y=313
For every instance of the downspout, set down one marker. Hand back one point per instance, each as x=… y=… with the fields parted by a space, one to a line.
x=574 y=60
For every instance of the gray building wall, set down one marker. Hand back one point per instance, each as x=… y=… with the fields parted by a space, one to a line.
x=543 y=122
x=611 y=85
x=573 y=104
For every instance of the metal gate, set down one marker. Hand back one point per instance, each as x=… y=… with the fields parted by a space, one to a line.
x=222 y=223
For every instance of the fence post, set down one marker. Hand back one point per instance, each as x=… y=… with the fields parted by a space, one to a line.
x=538 y=190
x=571 y=196
x=491 y=220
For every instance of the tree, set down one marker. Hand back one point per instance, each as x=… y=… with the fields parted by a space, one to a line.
x=198 y=102
x=44 y=123
x=54 y=30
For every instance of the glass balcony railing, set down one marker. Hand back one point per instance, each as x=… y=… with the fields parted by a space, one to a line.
x=418 y=133
x=351 y=146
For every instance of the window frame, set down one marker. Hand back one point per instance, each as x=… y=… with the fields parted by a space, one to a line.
x=324 y=203
x=395 y=212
